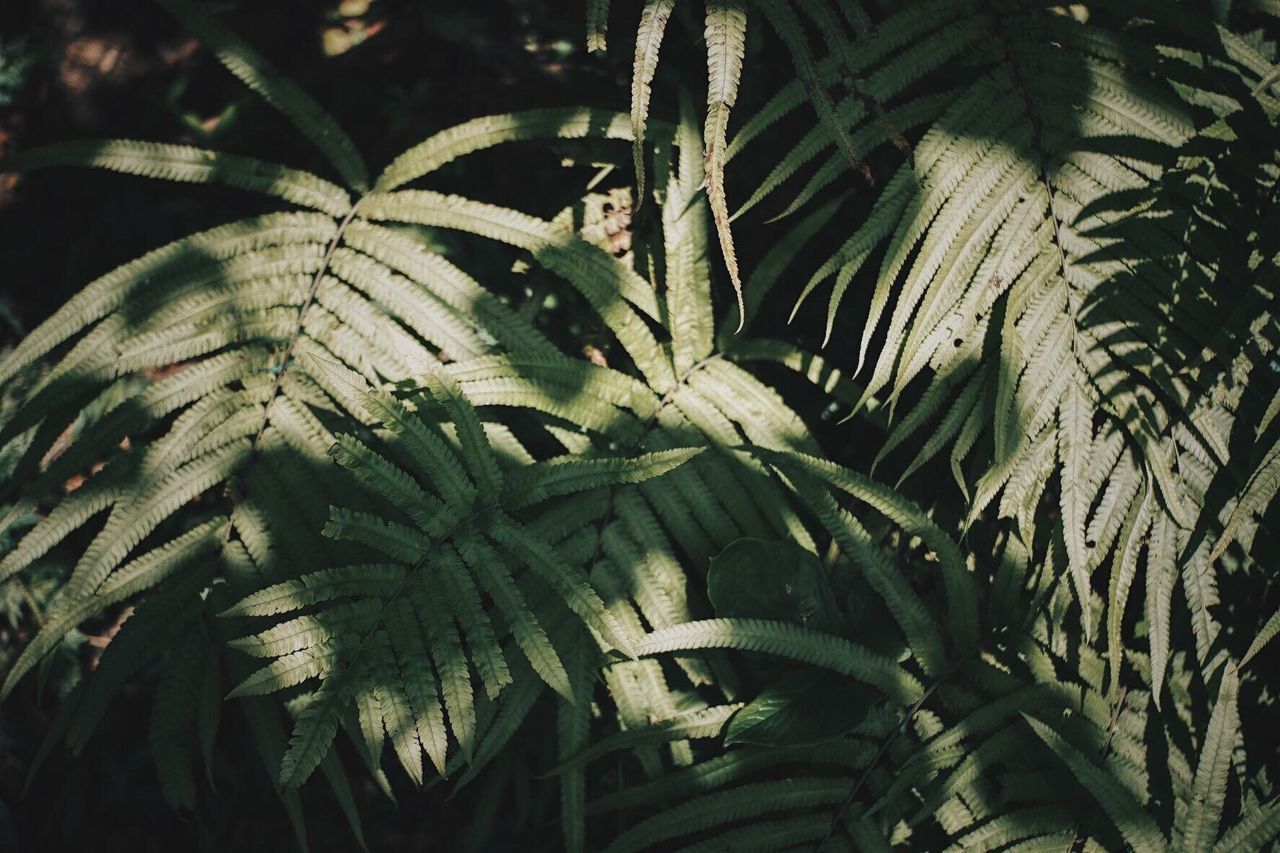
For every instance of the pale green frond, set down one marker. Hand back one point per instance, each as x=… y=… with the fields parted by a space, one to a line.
x=784 y=639
x=564 y=378
x=288 y=671
x=312 y=630
x=726 y=30
x=482 y=133
x=399 y=253
x=888 y=127
x=1254 y=499
x=1162 y=575
x=684 y=239
x=610 y=286
x=653 y=23
x=420 y=309
x=1198 y=827
x=1268 y=633
x=597 y=25
x=1123 y=572
x=111 y=291
x=1075 y=434
x=191 y=165
x=556 y=249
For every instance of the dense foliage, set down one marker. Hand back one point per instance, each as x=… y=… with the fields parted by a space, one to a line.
x=994 y=570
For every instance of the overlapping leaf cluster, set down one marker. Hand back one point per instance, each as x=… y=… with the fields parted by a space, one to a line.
x=329 y=448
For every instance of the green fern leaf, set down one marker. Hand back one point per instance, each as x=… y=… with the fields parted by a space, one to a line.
x=1162 y=573
x=784 y=640
x=1258 y=493
x=1198 y=826
x=653 y=22
x=960 y=592
x=726 y=28
x=1268 y=633
x=483 y=133
x=700 y=723
x=297 y=106
x=1075 y=433
x=1137 y=827
x=193 y=165
x=510 y=602
x=567 y=475
x=1259 y=828
x=597 y=25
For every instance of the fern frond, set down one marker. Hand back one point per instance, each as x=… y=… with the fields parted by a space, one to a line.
x=483 y=133
x=785 y=640
x=1137 y=827
x=789 y=28
x=571 y=584
x=1162 y=573
x=1268 y=633
x=1259 y=828
x=1199 y=825
x=700 y=723
x=510 y=602
x=111 y=291
x=726 y=28
x=294 y=104
x=960 y=592
x=653 y=23
x=191 y=165
x=597 y=25
x=141 y=573
x=1075 y=434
